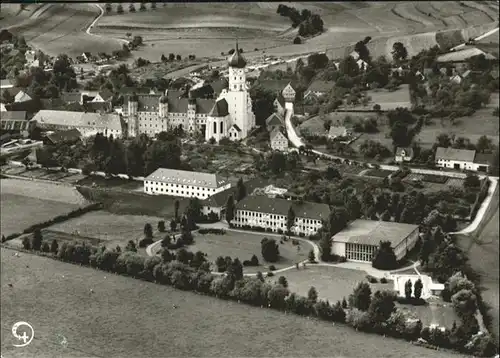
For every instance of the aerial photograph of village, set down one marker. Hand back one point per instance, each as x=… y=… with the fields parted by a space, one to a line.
x=249 y=179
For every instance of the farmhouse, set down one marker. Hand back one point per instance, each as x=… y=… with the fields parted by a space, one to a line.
x=462 y=159
x=319 y=88
x=184 y=183
x=88 y=124
x=278 y=140
x=154 y=113
x=429 y=288
x=403 y=154
x=271 y=214
x=361 y=238
x=338 y=131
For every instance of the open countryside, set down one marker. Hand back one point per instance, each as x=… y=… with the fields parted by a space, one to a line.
x=294 y=172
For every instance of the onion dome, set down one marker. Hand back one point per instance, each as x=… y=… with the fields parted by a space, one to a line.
x=163 y=99
x=237 y=60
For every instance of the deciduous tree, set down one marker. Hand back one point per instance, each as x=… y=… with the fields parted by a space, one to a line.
x=361 y=296
x=417 y=289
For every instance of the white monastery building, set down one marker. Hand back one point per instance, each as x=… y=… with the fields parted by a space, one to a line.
x=361 y=238
x=271 y=213
x=462 y=159
x=230 y=115
x=184 y=183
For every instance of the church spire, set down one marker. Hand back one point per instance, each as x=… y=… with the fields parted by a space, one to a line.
x=236 y=59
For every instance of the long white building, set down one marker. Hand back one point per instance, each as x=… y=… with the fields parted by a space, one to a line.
x=230 y=115
x=184 y=183
x=271 y=213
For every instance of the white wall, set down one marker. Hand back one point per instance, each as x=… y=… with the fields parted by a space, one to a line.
x=463 y=165
x=408 y=243
x=338 y=248
x=187 y=191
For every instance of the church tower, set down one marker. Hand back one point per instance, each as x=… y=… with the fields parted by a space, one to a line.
x=240 y=105
x=132 y=115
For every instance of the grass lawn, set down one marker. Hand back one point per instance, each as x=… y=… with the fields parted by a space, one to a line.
x=111 y=228
x=244 y=245
x=117 y=182
x=335 y=283
x=130 y=318
x=20 y=212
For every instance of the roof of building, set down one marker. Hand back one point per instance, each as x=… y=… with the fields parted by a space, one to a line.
x=274 y=120
x=370 y=232
x=264 y=204
x=280 y=99
x=97 y=106
x=219 y=200
x=109 y=121
x=237 y=60
x=138 y=90
x=274 y=85
x=276 y=132
x=6 y=84
x=220 y=109
x=12 y=90
x=105 y=94
x=238 y=129
x=337 y=131
x=69 y=135
x=484 y=158
x=13 y=115
x=464 y=54
x=71 y=97
x=321 y=86
x=174 y=176
x=22 y=96
x=464 y=155
x=408 y=151
x=219 y=85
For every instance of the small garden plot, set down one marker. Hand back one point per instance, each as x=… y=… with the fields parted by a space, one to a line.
x=332 y=283
x=413 y=177
x=436 y=312
x=111 y=228
x=455 y=182
x=35 y=173
x=72 y=178
x=115 y=182
x=379 y=173
x=243 y=245
x=54 y=175
x=15 y=170
x=61 y=237
x=431 y=178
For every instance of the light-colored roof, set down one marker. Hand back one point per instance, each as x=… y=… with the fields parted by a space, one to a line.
x=321 y=86
x=370 y=232
x=463 y=55
x=183 y=177
x=6 y=84
x=109 y=121
x=464 y=155
x=408 y=151
x=337 y=131
x=22 y=97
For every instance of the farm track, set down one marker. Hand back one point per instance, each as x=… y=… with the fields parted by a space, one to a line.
x=81 y=29
x=424 y=13
x=404 y=14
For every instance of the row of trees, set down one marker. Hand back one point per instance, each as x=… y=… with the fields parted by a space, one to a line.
x=131 y=7
x=309 y=24
x=188 y=271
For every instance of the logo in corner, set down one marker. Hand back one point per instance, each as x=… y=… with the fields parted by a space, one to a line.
x=24 y=332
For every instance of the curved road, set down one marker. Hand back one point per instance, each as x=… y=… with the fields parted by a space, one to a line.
x=491 y=32
x=95 y=21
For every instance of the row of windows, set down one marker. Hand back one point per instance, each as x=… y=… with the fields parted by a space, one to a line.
x=182 y=186
x=177 y=192
x=274 y=217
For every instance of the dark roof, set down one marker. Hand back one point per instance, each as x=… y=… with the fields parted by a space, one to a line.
x=236 y=127
x=97 y=106
x=12 y=90
x=281 y=99
x=13 y=115
x=273 y=85
x=220 y=199
x=274 y=120
x=484 y=158
x=71 y=97
x=237 y=60
x=105 y=94
x=14 y=124
x=321 y=86
x=264 y=204
x=70 y=135
x=205 y=105
x=138 y=90
x=220 y=109
x=205 y=91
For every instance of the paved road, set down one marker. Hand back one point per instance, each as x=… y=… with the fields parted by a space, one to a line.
x=477 y=38
x=87 y=31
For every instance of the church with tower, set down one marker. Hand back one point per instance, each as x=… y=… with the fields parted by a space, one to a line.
x=229 y=115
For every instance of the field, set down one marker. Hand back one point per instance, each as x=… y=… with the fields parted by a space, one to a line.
x=334 y=283
x=386 y=99
x=24 y=203
x=125 y=317
x=109 y=228
x=244 y=245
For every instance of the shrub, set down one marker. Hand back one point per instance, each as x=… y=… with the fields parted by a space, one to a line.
x=254 y=261
x=26 y=243
x=214 y=231
x=45 y=247
x=297 y=41
x=272 y=268
x=371 y=279
x=270 y=274
x=358 y=319
x=270 y=250
x=383 y=280
x=145 y=242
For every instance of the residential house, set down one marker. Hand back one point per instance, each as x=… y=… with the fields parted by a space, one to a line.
x=319 y=88
x=271 y=214
x=462 y=159
x=15 y=122
x=88 y=124
x=22 y=96
x=362 y=65
x=279 y=104
x=278 y=140
x=403 y=154
x=275 y=120
x=184 y=183
x=456 y=79
x=87 y=56
x=6 y=83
